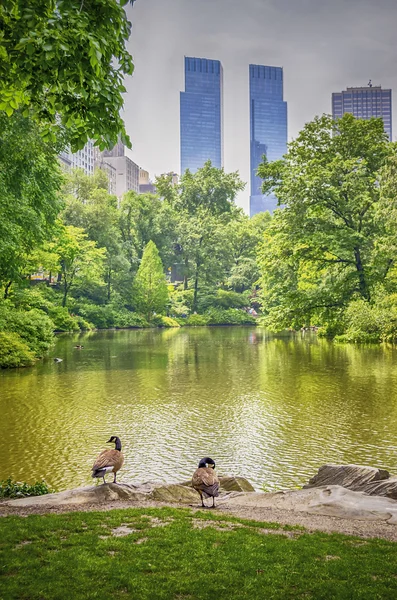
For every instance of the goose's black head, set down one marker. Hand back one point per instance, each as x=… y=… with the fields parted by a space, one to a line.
x=115 y=440
x=207 y=462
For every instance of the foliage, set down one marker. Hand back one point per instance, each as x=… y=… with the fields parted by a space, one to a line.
x=171 y=560
x=79 y=258
x=204 y=203
x=163 y=321
x=64 y=63
x=196 y=320
x=14 y=352
x=229 y=316
x=329 y=243
x=62 y=320
x=17 y=489
x=150 y=292
x=108 y=316
x=33 y=326
x=30 y=178
x=366 y=322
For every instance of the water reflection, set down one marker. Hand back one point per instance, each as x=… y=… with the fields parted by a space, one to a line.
x=270 y=408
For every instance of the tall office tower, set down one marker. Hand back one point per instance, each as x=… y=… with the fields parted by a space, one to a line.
x=201 y=114
x=364 y=103
x=82 y=159
x=268 y=128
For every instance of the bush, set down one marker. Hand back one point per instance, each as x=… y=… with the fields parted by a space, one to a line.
x=196 y=321
x=33 y=326
x=108 y=316
x=168 y=322
x=226 y=299
x=230 y=316
x=13 y=351
x=17 y=489
x=62 y=320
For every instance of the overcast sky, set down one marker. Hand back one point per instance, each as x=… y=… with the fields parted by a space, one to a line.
x=323 y=45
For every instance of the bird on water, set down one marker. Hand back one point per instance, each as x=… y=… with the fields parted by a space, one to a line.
x=205 y=481
x=109 y=461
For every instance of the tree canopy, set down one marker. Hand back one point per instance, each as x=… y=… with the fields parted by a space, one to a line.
x=63 y=61
x=323 y=249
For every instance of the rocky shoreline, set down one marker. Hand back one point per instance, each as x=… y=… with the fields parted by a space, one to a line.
x=350 y=499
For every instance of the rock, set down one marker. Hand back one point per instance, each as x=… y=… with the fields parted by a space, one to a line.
x=387 y=488
x=353 y=477
x=332 y=500
x=235 y=484
x=175 y=493
x=99 y=494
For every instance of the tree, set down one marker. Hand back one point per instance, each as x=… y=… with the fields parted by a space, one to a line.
x=30 y=179
x=150 y=293
x=244 y=236
x=79 y=258
x=204 y=203
x=92 y=208
x=64 y=63
x=321 y=249
x=145 y=217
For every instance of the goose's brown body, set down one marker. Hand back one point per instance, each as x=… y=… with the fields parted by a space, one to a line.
x=109 y=458
x=109 y=461
x=206 y=482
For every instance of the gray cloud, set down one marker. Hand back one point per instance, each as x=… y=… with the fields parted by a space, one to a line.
x=323 y=45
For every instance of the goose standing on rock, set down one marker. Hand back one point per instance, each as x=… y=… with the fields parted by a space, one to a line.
x=109 y=461
x=205 y=481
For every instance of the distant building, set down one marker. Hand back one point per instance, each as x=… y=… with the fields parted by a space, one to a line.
x=201 y=114
x=127 y=174
x=268 y=128
x=146 y=186
x=364 y=103
x=82 y=159
x=100 y=162
x=117 y=150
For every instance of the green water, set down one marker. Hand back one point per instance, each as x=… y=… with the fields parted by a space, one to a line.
x=269 y=408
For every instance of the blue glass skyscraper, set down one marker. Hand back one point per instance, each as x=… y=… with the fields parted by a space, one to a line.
x=201 y=113
x=268 y=128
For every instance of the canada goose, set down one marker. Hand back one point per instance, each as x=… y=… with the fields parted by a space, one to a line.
x=109 y=461
x=58 y=360
x=79 y=347
x=205 y=481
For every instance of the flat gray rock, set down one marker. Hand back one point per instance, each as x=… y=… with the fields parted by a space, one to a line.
x=332 y=500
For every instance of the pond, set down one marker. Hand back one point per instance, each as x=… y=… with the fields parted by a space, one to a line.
x=270 y=408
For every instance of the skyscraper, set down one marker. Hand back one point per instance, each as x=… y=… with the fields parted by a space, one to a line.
x=364 y=103
x=201 y=114
x=82 y=159
x=268 y=128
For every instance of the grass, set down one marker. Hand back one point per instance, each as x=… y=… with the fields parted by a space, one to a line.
x=150 y=554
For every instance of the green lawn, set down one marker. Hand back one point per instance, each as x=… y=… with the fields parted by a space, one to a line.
x=175 y=554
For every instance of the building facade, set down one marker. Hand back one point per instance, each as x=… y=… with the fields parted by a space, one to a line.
x=127 y=174
x=82 y=159
x=268 y=128
x=364 y=103
x=201 y=114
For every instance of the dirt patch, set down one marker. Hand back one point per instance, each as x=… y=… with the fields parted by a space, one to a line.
x=156 y=522
x=141 y=540
x=218 y=525
x=22 y=544
x=123 y=530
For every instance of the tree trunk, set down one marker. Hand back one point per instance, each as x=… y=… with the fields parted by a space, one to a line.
x=185 y=275
x=361 y=275
x=109 y=281
x=65 y=292
x=196 y=279
x=7 y=288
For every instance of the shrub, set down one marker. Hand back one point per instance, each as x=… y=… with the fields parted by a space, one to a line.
x=230 y=316
x=13 y=351
x=62 y=320
x=33 y=326
x=196 y=320
x=168 y=322
x=17 y=489
x=226 y=299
